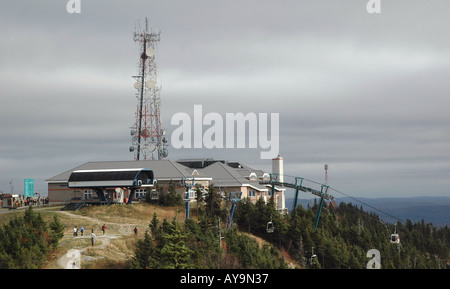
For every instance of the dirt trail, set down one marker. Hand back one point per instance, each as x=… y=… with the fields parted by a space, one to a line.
x=122 y=228
x=74 y=257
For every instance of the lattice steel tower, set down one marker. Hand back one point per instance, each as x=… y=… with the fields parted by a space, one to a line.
x=148 y=140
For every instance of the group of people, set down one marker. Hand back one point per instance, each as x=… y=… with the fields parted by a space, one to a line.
x=93 y=236
x=22 y=200
x=75 y=230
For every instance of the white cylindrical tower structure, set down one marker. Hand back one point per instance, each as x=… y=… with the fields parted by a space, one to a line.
x=277 y=167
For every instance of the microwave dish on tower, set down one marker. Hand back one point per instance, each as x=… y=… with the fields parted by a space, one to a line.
x=148 y=140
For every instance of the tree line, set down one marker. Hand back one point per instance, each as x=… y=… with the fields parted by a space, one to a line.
x=344 y=236
x=202 y=242
x=199 y=245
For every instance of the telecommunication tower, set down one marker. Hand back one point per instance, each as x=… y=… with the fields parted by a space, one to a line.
x=148 y=140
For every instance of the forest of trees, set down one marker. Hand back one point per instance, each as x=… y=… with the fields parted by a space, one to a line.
x=344 y=236
x=26 y=241
x=202 y=242
x=195 y=245
x=342 y=240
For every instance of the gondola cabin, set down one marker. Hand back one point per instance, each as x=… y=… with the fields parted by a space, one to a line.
x=270 y=227
x=395 y=239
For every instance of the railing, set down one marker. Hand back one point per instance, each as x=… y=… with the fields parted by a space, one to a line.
x=298 y=183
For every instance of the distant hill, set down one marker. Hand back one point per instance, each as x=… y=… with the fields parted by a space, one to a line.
x=435 y=210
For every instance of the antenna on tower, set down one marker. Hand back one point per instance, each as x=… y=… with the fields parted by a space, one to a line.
x=11 y=184
x=148 y=137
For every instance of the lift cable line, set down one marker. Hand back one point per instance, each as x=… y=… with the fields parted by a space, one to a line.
x=315 y=188
x=370 y=206
x=318 y=192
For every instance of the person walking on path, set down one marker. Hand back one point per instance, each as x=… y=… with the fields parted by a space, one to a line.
x=82 y=230
x=135 y=230
x=94 y=237
x=104 y=228
x=75 y=231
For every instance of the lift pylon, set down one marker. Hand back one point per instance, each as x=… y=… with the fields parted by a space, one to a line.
x=235 y=197
x=297 y=183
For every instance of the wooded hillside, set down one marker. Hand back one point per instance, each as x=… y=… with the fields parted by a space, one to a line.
x=343 y=238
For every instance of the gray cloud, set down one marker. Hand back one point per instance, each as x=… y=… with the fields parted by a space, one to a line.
x=367 y=94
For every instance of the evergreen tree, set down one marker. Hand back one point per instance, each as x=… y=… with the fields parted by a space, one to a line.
x=154 y=226
x=203 y=240
x=25 y=242
x=173 y=198
x=144 y=254
x=212 y=203
x=198 y=196
x=175 y=254
x=244 y=215
x=57 y=231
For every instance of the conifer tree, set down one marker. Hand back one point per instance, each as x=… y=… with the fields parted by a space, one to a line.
x=198 y=196
x=25 y=242
x=154 y=226
x=144 y=253
x=57 y=231
x=175 y=254
x=212 y=201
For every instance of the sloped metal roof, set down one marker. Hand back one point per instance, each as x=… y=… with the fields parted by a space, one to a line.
x=224 y=175
x=220 y=173
x=163 y=169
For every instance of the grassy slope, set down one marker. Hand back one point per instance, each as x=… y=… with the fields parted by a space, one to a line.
x=116 y=247
x=119 y=237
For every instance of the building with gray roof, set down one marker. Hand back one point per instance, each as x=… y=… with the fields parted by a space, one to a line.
x=225 y=176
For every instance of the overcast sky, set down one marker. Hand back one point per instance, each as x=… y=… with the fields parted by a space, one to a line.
x=367 y=94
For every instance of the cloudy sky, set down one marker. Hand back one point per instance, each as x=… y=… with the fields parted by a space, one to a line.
x=367 y=94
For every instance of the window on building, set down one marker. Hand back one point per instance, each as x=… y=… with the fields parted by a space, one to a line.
x=87 y=194
x=251 y=193
x=140 y=193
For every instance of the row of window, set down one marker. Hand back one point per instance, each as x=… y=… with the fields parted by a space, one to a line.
x=140 y=193
x=252 y=193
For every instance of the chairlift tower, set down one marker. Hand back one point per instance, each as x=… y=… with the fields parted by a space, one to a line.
x=148 y=137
